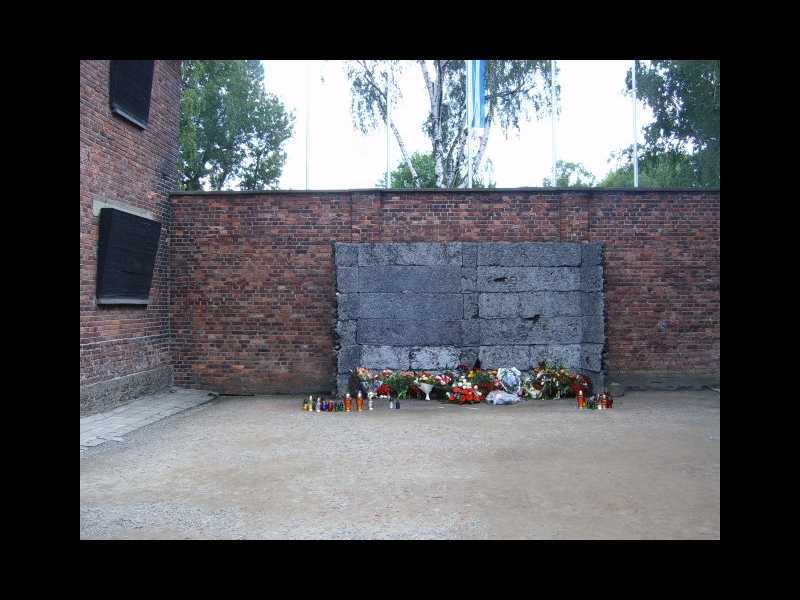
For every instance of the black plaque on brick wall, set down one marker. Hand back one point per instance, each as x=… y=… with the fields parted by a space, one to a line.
x=130 y=84
x=126 y=254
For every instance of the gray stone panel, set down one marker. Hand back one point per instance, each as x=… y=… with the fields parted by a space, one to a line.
x=346 y=331
x=592 y=357
x=439 y=307
x=421 y=253
x=555 y=304
x=431 y=306
x=346 y=254
x=471 y=332
x=349 y=358
x=498 y=306
x=467 y=355
x=470 y=306
x=347 y=279
x=469 y=280
x=593 y=330
x=591 y=254
x=567 y=355
x=545 y=330
x=592 y=303
x=528 y=279
x=495 y=357
x=347 y=306
x=394 y=332
x=469 y=254
x=592 y=279
x=434 y=358
x=529 y=254
x=389 y=357
x=413 y=279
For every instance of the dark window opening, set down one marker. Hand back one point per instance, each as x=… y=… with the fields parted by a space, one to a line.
x=130 y=84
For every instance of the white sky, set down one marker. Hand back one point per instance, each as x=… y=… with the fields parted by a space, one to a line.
x=596 y=118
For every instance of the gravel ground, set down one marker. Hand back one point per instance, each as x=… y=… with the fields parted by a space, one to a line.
x=260 y=468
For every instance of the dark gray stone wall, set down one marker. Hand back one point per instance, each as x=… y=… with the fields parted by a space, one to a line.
x=434 y=305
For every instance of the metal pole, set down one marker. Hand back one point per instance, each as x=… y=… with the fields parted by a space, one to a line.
x=388 y=108
x=469 y=124
x=635 y=132
x=308 y=77
x=553 y=116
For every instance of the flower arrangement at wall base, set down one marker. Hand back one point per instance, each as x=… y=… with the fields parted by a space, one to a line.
x=552 y=381
x=468 y=385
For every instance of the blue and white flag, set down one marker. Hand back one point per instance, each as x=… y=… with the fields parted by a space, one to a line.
x=476 y=93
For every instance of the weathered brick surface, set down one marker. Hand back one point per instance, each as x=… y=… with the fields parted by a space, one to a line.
x=253 y=286
x=123 y=163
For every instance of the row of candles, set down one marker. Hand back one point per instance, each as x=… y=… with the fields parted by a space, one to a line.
x=602 y=402
x=338 y=405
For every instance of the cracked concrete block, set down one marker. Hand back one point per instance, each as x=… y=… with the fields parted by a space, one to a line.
x=347 y=306
x=346 y=254
x=470 y=306
x=495 y=306
x=388 y=357
x=346 y=332
x=544 y=330
x=411 y=279
x=433 y=358
x=468 y=280
x=591 y=254
x=471 y=332
x=395 y=332
x=528 y=279
x=349 y=358
x=495 y=357
x=568 y=355
x=592 y=357
x=592 y=279
x=593 y=329
x=347 y=279
x=592 y=303
x=469 y=254
x=435 y=307
x=468 y=355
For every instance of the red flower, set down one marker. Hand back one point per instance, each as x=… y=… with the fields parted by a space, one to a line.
x=384 y=390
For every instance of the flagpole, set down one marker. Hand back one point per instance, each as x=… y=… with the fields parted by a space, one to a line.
x=635 y=140
x=469 y=124
x=553 y=116
x=388 y=108
x=308 y=76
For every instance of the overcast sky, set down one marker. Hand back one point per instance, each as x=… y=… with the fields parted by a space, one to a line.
x=596 y=118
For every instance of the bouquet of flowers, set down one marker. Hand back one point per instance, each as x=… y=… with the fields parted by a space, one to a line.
x=464 y=392
x=425 y=378
x=400 y=383
x=556 y=382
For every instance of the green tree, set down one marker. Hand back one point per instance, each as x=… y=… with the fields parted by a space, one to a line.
x=684 y=96
x=513 y=87
x=656 y=170
x=231 y=129
x=569 y=174
x=423 y=166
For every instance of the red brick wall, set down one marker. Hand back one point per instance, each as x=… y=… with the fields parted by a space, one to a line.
x=123 y=163
x=253 y=304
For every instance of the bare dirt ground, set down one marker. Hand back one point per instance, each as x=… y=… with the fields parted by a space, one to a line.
x=260 y=468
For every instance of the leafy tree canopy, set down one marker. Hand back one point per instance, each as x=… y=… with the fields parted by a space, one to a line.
x=685 y=98
x=513 y=88
x=231 y=129
x=668 y=169
x=569 y=174
x=423 y=165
